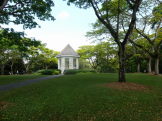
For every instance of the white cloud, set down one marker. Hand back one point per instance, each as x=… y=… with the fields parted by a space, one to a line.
x=63 y=15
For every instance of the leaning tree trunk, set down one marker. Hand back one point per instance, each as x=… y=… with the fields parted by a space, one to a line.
x=46 y=67
x=27 y=68
x=121 y=54
x=11 y=68
x=2 y=69
x=138 y=67
x=149 y=65
x=156 y=65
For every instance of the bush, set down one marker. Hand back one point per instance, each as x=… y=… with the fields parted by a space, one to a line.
x=67 y=72
x=76 y=71
x=48 y=72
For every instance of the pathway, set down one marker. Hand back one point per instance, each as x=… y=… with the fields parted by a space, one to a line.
x=24 y=83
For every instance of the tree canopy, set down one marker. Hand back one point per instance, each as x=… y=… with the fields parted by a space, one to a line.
x=115 y=16
x=25 y=12
x=19 y=53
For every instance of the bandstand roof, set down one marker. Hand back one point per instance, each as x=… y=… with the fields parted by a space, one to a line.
x=68 y=51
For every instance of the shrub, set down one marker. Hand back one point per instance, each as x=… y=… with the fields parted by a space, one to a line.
x=48 y=72
x=56 y=72
x=70 y=71
x=76 y=71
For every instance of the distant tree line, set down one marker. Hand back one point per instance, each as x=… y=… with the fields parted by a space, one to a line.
x=136 y=29
x=103 y=57
x=19 y=54
x=128 y=21
x=131 y=31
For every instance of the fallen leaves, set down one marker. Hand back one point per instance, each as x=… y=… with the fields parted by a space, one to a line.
x=4 y=105
x=127 y=86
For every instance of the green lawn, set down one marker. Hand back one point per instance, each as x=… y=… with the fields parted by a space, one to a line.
x=16 y=78
x=83 y=97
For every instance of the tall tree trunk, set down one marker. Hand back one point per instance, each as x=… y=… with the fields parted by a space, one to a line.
x=46 y=67
x=149 y=65
x=27 y=68
x=121 y=54
x=2 y=69
x=156 y=65
x=138 y=67
x=11 y=68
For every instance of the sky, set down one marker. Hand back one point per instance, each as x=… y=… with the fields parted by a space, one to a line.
x=70 y=27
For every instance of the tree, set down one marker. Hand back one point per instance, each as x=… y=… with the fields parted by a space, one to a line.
x=135 y=59
x=25 y=11
x=14 y=55
x=40 y=57
x=14 y=45
x=98 y=33
x=114 y=14
x=29 y=51
x=101 y=57
x=154 y=39
x=47 y=57
x=86 y=52
x=160 y=62
x=8 y=38
x=106 y=57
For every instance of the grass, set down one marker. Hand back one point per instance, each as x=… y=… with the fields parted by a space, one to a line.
x=83 y=98
x=16 y=78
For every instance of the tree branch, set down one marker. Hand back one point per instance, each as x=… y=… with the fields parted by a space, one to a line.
x=145 y=36
x=129 y=3
x=140 y=46
x=133 y=20
x=157 y=28
x=122 y=23
x=118 y=17
x=3 y=4
x=107 y=24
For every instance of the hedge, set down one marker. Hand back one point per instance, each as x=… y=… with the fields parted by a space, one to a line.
x=76 y=71
x=48 y=72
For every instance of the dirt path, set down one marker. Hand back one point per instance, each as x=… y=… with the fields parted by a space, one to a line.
x=24 y=83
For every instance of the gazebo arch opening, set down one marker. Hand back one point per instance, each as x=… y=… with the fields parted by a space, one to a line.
x=68 y=59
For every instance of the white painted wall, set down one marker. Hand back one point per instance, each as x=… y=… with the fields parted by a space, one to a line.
x=71 y=66
x=71 y=63
x=62 y=67
x=77 y=63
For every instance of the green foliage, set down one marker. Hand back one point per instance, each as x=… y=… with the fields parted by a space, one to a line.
x=101 y=57
x=9 y=37
x=150 y=42
x=77 y=71
x=150 y=12
x=84 y=64
x=48 y=72
x=114 y=7
x=25 y=12
x=42 y=58
x=32 y=53
x=157 y=15
x=98 y=32
x=13 y=47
